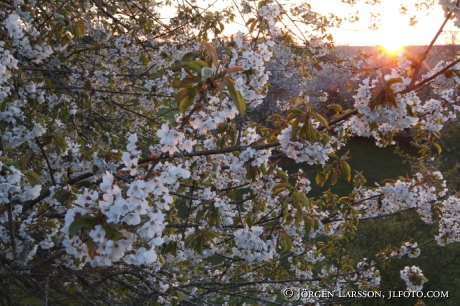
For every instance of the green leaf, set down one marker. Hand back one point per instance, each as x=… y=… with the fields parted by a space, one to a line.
x=287 y=242
x=304 y=200
x=155 y=75
x=191 y=66
x=253 y=26
x=320 y=178
x=181 y=95
x=296 y=202
x=250 y=20
x=32 y=177
x=295 y=111
x=188 y=240
x=437 y=147
x=60 y=141
x=201 y=63
x=91 y=245
x=236 y=96
x=393 y=81
x=185 y=103
x=275 y=116
x=188 y=57
x=112 y=232
x=282 y=175
x=322 y=120
x=79 y=223
x=3 y=105
x=345 y=169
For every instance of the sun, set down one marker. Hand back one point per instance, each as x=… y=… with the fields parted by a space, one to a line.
x=392 y=45
x=390 y=50
x=393 y=48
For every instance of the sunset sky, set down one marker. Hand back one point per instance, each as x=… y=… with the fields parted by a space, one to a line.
x=394 y=28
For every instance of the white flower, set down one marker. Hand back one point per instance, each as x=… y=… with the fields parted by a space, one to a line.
x=133 y=144
x=97 y=234
x=187 y=145
x=136 y=189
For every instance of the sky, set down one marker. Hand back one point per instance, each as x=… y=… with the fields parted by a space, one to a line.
x=394 y=30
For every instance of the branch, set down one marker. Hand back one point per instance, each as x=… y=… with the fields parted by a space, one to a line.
x=231 y=149
x=339 y=119
x=104 y=90
x=188 y=211
x=134 y=112
x=118 y=21
x=47 y=161
x=29 y=204
x=422 y=59
x=46 y=260
x=424 y=82
x=2 y=149
x=186 y=196
x=325 y=221
x=11 y=231
x=135 y=75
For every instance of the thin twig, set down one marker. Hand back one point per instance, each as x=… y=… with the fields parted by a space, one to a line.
x=50 y=169
x=11 y=231
x=188 y=211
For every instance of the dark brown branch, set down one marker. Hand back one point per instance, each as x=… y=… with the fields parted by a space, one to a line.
x=134 y=112
x=50 y=169
x=339 y=119
x=232 y=188
x=11 y=231
x=104 y=90
x=231 y=149
x=186 y=196
x=2 y=149
x=422 y=59
x=426 y=81
x=368 y=218
x=134 y=75
x=29 y=204
x=188 y=211
x=46 y=260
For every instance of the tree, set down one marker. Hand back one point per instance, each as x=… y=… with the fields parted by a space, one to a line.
x=131 y=172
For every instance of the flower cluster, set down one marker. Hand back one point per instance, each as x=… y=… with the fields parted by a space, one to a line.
x=367 y=276
x=417 y=193
x=312 y=153
x=410 y=249
x=413 y=277
x=250 y=245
